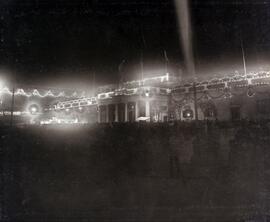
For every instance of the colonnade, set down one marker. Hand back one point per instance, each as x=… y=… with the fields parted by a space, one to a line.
x=122 y=112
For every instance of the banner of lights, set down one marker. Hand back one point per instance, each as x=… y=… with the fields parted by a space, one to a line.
x=35 y=92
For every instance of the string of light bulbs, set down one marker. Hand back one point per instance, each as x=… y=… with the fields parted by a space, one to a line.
x=36 y=92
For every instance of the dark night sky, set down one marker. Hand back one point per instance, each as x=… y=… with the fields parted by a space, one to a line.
x=44 y=41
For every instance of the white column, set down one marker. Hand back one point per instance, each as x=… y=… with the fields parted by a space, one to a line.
x=126 y=112
x=116 y=112
x=136 y=110
x=147 y=108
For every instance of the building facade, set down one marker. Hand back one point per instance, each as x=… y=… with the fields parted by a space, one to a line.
x=231 y=98
x=146 y=100
x=144 y=104
x=163 y=98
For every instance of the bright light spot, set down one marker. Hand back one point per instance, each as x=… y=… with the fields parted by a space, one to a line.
x=80 y=108
x=33 y=109
x=67 y=110
x=188 y=114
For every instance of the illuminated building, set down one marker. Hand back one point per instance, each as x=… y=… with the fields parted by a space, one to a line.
x=30 y=105
x=145 y=103
x=156 y=99
x=230 y=98
x=164 y=98
x=142 y=100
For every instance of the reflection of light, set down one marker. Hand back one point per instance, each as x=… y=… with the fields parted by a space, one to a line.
x=188 y=114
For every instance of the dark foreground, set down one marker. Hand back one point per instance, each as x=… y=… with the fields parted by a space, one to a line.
x=214 y=172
